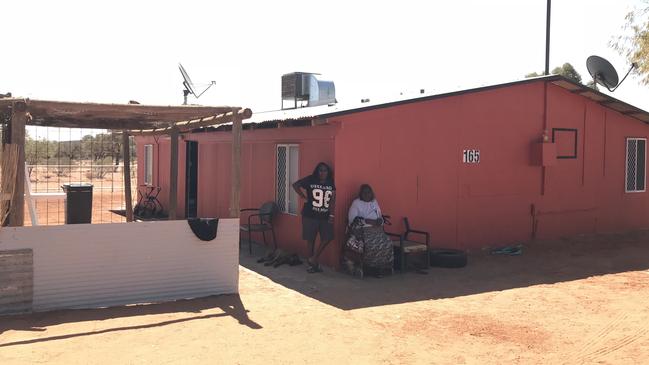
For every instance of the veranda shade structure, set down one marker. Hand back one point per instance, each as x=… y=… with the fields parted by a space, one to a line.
x=115 y=116
x=131 y=119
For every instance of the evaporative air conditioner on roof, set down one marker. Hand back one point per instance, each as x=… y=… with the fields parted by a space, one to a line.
x=303 y=89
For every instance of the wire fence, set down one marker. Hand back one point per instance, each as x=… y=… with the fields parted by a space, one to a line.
x=58 y=156
x=108 y=201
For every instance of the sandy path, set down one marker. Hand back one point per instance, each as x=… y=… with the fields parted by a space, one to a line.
x=577 y=302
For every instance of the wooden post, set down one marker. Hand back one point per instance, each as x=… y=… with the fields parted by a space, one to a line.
x=127 y=176
x=18 y=120
x=236 y=166
x=173 y=175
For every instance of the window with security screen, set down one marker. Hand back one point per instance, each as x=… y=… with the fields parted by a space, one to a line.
x=287 y=174
x=636 y=154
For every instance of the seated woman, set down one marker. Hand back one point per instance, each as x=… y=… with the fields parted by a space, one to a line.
x=366 y=229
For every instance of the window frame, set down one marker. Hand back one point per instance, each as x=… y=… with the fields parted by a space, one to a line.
x=148 y=165
x=289 y=184
x=555 y=132
x=626 y=164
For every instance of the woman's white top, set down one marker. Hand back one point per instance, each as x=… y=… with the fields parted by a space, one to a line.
x=366 y=210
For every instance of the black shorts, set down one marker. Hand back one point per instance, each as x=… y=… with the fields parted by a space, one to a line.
x=311 y=227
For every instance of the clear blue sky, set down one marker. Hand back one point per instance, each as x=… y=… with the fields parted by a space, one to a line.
x=115 y=51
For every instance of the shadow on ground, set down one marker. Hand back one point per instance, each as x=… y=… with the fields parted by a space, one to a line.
x=230 y=305
x=546 y=262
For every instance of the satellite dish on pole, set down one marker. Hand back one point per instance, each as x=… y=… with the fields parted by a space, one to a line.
x=189 y=85
x=604 y=73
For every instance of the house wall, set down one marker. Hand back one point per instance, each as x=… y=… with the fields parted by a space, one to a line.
x=98 y=265
x=258 y=171
x=587 y=194
x=412 y=156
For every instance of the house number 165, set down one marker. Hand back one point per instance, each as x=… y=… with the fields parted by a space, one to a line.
x=471 y=156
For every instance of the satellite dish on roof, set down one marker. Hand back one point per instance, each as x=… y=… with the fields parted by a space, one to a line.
x=604 y=73
x=189 y=85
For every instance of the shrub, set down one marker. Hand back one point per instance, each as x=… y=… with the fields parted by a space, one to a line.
x=98 y=172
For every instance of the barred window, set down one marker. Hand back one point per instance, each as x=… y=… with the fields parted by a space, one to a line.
x=636 y=153
x=287 y=174
x=148 y=164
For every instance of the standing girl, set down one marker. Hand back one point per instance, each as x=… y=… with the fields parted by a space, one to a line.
x=318 y=190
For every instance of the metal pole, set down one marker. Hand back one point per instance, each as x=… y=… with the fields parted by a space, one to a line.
x=547 y=39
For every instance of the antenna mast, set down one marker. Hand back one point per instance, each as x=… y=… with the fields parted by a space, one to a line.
x=547 y=39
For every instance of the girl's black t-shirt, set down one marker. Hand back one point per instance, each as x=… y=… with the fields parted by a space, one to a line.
x=319 y=195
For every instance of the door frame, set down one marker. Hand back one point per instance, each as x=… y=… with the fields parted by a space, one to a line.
x=191 y=150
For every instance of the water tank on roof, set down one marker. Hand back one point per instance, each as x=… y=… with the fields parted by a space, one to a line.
x=303 y=89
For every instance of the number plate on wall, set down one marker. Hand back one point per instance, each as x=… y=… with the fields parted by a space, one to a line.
x=471 y=156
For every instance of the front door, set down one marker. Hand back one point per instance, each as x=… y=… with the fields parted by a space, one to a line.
x=191 y=182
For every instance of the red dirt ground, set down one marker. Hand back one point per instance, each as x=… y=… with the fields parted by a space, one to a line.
x=578 y=301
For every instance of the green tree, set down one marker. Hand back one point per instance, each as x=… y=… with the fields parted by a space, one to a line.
x=69 y=150
x=39 y=151
x=567 y=70
x=633 y=44
x=102 y=148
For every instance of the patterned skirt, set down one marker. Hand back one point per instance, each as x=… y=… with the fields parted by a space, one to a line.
x=377 y=247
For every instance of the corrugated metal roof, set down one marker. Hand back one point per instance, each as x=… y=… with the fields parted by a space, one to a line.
x=325 y=111
x=603 y=99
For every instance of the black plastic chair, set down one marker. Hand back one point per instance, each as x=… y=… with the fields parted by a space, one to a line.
x=405 y=245
x=264 y=222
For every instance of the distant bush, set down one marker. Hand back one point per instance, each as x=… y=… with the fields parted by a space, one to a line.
x=61 y=171
x=98 y=172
